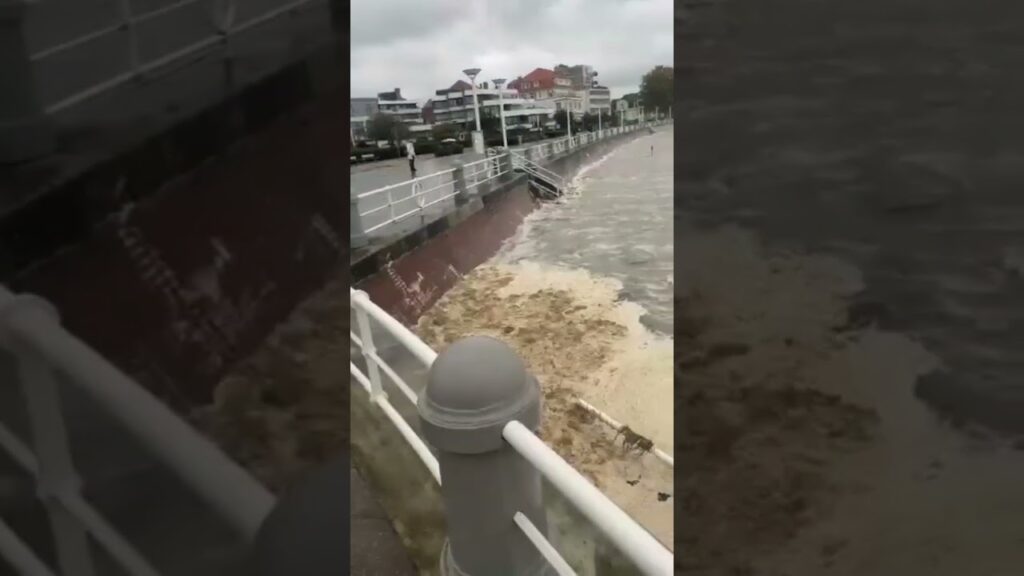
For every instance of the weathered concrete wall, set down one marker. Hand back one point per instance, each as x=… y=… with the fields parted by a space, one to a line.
x=409 y=277
x=175 y=257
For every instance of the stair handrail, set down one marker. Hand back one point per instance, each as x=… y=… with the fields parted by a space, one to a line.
x=527 y=165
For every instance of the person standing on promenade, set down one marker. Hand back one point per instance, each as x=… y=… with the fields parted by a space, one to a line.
x=410 y=152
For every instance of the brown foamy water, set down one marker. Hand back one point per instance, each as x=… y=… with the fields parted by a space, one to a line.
x=579 y=340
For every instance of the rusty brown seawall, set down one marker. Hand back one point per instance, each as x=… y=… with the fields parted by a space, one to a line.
x=175 y=257
x=408 y=277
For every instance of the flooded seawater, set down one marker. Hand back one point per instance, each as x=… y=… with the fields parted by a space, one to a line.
x=583 y=292
x=608 y=244
x=616 y=224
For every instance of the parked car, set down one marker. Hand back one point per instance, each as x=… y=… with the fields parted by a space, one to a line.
x=447 y=147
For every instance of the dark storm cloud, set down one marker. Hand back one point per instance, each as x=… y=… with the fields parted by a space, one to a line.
x=422 y=45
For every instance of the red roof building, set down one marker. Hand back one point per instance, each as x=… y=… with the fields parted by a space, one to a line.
x=541 y=83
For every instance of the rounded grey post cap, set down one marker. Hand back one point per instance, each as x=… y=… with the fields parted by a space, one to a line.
x=475 y=387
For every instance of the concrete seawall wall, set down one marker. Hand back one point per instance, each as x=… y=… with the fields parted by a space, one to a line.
x=411 y=275
x=176 y=256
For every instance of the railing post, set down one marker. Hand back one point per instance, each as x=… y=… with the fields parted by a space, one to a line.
x=505 y=167
x=369 y=350
x=25 y=131
x=56 y=474
x=459 y=182
x=359 y=238
x=474 y=388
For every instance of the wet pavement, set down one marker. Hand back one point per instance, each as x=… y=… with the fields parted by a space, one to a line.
x=375 y=548
x=888 y=134
x=372 y=175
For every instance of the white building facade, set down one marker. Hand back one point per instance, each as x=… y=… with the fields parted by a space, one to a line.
x=455 y=106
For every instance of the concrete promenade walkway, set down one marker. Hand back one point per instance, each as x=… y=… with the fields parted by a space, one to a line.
x=373 y=175
x=375 y=547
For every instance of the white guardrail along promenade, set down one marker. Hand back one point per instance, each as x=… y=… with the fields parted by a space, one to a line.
x=134 y=21
x=480 y=410
x=382 y=210
x=30 y=331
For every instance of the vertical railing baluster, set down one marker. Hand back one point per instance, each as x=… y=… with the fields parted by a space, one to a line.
x=417 y=192
x=459 y=183
x=25 y=130
x=128 y=19
x=358 y=228
x=368 y=349
x=56 y=473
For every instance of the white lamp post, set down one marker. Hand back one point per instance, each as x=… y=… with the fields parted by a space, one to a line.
x=500 y=82
x=478 y=137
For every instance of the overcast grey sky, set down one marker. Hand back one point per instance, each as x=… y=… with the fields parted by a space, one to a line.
x=423 y=45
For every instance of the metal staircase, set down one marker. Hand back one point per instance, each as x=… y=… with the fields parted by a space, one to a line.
x=544 y=183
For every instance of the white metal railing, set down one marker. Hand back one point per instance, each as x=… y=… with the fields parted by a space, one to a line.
x=483 y=171
x=616 y=425
x=31 y=331
x=373 y=212
x=396 y=202
x=544 y=175
x=223 y=28
x=636 y=543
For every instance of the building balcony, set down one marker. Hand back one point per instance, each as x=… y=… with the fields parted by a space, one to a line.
x=400 y=112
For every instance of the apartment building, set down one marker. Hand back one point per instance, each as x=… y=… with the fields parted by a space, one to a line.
x=454 y=105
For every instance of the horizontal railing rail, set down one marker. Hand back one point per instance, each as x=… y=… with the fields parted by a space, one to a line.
x=632 y=540
x=618 y=426
x=31 y=331
x=482 y=171
x=397 y=202
x=649 y=555
x=223 y=27
x=529 y=166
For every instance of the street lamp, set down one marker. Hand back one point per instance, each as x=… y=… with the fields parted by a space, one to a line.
x=478 y=137
x=499 y=82
x=568 y=115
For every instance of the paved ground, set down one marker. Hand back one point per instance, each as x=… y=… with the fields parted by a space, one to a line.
x=372 y=175
x=375 y=548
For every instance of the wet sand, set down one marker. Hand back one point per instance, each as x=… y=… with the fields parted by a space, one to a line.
x=579 y=340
